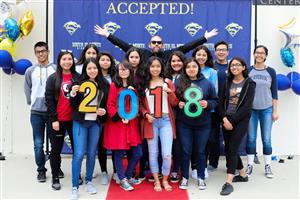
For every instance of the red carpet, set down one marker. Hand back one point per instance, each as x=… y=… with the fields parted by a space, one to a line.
x=145 y=191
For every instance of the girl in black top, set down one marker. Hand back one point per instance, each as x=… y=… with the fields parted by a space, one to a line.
x=236 y=98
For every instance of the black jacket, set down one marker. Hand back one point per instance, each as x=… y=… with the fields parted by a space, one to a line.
x=103 y=86
x=164 y=55
x=244 y=107
x=51 y=101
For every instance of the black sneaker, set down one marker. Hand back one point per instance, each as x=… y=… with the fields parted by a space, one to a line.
x=80 y=180
x=141 y=177
x=55 y=183
x=239 y=178
x=41 y=177
x=174 y=177
x=151 y=178
x=226 y=189
x=61 y=174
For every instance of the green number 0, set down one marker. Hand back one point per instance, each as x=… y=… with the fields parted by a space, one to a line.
x=192 y=95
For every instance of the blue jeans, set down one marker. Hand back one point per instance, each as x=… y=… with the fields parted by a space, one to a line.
x=161 y=128
x=135 y=156
x=188 y=137
x=86 y=135
x=38 y=124
x=265 y=119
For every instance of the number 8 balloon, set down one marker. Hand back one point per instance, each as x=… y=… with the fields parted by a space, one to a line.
x=192 y=95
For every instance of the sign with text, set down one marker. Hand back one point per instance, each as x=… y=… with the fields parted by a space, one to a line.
x=177 y=22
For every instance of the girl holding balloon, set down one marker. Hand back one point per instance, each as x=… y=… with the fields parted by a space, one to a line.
x=121 y=132
x=197 y=97
x=158 y=120
x=88 y=99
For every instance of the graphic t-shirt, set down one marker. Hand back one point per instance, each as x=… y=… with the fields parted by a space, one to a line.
x=234 y=96
x=64 y=109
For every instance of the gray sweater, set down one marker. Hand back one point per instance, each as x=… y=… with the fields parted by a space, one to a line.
x=34 y=86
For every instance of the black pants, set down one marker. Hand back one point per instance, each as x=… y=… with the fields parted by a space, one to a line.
x=232 y=141
x=57 y=141
x=102 y=154
x=212 y=150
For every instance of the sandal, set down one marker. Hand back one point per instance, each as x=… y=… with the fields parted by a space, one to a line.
x=167 y=186
x=157 y=187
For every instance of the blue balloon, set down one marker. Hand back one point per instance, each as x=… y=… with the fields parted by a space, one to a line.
x=12 y=28
x=296 y=86
x=283 y=82
x=21 y=65
x=8 y=71
x=293 y=76
x=287 y=57
x=5 y=59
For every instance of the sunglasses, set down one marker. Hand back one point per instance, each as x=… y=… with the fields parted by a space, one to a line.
x=66 y=50
x=156 y=42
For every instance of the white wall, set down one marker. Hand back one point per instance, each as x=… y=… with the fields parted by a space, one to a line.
x=16 y=134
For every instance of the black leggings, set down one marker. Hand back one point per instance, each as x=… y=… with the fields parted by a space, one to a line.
x=57 y=142
x=102 y=154
x=232 y=141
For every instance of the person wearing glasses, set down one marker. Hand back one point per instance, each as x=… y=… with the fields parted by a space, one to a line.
x=34 y=88
x=236 y=98
x=156 y=44
x=264 y=109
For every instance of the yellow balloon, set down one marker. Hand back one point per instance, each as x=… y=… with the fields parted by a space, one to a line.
x=26 y=23
x=8 y=45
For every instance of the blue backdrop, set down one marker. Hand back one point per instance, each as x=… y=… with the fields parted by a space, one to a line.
x=177 y=22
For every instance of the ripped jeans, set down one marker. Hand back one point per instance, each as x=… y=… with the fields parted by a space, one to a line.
x=162 y=128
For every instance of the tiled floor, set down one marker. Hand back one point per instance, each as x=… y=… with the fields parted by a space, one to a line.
x=18 y=181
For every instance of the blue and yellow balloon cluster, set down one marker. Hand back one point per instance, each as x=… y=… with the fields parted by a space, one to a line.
x=10 y=31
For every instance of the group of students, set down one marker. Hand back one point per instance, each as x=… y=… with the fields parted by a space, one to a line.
x=232 y=95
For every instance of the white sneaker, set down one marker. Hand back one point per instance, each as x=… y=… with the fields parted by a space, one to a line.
x=89 y=188
x=74 y=193
x=184 y=184
x=116 y=178
x=194 y=174
x=201 y=184
x=206 y=173
x=104 y=178
x=94 y=175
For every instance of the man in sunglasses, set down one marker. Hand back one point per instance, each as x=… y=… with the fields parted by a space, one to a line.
x=156 y=44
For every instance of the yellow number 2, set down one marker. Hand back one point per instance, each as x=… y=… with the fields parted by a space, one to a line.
x=91 y=89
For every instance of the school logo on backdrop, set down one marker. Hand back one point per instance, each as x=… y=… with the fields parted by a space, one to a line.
x=111 y=27
x=71 y=27
x=153 y=28
x=192 y=28
x=233 y=28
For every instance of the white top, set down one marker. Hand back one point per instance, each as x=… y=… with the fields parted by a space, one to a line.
x=151 y=101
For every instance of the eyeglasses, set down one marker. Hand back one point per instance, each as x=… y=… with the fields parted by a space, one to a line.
x=123 y=69
x=260 y=53
x=236 y=65
x=156 y=42
x=221 y=50
x=41 y=51
x=66 y=50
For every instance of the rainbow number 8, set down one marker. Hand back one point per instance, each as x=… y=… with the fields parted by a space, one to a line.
x=133 y=104
x=192 y=95
x=91 y=89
